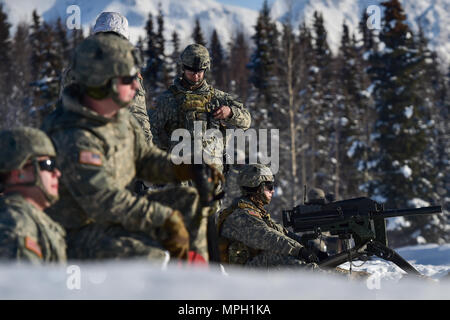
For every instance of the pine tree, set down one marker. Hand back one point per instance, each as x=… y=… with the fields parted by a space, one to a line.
x=175 y=56
x=238 y=73
x=163 y=74
x=262 y=65
x=348 y=116
x=5 y=67
x=197 y=34
x=21 y=98
x=305 y=74
x=218 y=62
x=321 y=110
x=150 y=56
x=403 y=176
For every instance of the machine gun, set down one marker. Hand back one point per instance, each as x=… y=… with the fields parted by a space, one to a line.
x=361 y=219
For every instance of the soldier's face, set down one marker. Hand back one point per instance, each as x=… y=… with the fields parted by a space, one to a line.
x=49 y=175
x=268 y=193
x=126 y=88
x=194 y=76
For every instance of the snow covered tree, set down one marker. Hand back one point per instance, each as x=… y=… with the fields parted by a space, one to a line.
x=238 y=73
x=262 y=65
x=403 y=176
x=197 y=34
x=5 y=68
x=218 y=62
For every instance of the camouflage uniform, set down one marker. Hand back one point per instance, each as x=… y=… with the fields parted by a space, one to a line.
x=183 y=104
x=99 y=158
x=138 y=107
x=254 y=239
x=28 y=234
x=248 y=236
x=117 y=23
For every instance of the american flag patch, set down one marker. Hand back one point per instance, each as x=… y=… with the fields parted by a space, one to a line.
x=31 y=245
x=89 y=157
x=253 y=213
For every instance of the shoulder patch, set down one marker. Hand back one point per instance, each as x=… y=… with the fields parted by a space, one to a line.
x=33 y=246
x=90 y=157
x=253 y=213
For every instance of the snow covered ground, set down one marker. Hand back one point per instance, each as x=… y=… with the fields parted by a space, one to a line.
x=142 y=280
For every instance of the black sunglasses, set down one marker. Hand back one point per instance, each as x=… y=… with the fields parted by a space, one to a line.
x=129 y=79
x=269 y=185
x=47 y=164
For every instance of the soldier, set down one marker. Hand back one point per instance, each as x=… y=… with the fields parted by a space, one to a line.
x=29 y=179
x=248 y=236
x=191 y=99
x=101 y=149
x=116 y=23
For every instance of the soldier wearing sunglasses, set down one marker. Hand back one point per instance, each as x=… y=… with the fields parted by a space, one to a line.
x=101 y=151
x=249 y=236
x=29 y=178
x=117 y=24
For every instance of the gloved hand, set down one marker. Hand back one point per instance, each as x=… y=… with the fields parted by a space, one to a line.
x=177 y=242
x=307 y=255
x=207 y=179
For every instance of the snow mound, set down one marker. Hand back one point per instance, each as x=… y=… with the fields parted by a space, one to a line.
x=144 y=280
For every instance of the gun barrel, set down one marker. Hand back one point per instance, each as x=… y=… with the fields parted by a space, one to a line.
x=410 y=212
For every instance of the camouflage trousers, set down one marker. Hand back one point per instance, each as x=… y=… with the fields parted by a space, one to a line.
x=99 y=241
x=186 y=200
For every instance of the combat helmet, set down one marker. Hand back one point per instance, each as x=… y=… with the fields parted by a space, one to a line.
x=102 y=57
x=195 y=57
x=252 y=175
x=316 y=196
x=112 y=22
x=21 y=145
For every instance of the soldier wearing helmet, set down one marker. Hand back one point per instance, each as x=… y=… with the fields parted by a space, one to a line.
x=191 y=99
x=248 y=235
x=101 y=150
x=117 y=24
x=191 y=103
x=29 y=179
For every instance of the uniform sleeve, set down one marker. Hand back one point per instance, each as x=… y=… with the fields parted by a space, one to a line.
x=243 y=225
x=13 y=245
x=161 y=118
x=94 y=188
x=138 y=109
x=240 y=115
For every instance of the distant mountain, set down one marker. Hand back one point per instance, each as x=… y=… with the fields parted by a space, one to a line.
x=434 y=15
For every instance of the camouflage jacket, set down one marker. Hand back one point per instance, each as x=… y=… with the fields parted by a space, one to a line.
x=179 y=107
x=138 y=106
x=99 y=157
x=249 y=230
x=28 y=234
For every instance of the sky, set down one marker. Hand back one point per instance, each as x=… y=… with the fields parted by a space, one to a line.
x=251 y=4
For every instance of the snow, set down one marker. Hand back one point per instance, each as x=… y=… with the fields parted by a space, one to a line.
x=409 y=112
x=397 y=223
x=180 y=15
x=406 y=171
x=138 y=279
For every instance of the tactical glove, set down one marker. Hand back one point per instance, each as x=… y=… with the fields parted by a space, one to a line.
x=177 y=242
x=207 y=179
x=307 y=256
